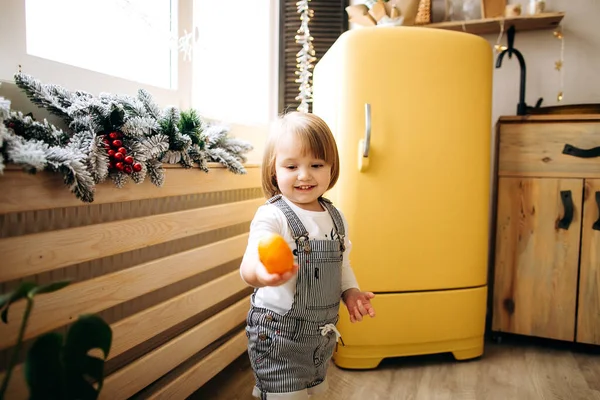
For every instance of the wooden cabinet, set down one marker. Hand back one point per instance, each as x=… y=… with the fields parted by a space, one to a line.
x=588 y=323
x=546 y=272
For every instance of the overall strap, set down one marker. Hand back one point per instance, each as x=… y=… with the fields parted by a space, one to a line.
x=338 y=222
x=298 y=229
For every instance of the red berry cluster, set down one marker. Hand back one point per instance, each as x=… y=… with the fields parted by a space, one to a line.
x=119 y=159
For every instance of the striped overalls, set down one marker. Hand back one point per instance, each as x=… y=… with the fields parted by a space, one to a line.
x=291 y=352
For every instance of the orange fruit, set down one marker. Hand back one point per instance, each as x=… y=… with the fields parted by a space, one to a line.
x=275 y=254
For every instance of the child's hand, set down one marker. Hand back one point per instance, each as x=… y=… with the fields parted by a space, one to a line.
x=358 y=304
x=267 y=279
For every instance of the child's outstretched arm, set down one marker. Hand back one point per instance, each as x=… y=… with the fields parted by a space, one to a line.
x=252 y=271
x=255 y=274
x=357 y=302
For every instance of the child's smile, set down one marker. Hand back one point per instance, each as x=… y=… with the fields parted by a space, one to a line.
x=304 y=188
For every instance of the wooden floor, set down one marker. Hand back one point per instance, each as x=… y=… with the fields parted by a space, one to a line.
x=514 y=369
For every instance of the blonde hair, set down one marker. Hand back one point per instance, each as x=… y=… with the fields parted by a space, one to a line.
x=315 y=139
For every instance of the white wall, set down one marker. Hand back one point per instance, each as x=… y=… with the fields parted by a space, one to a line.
x=540 y=49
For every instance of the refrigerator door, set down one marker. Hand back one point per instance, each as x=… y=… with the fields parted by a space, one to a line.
x=417 y=202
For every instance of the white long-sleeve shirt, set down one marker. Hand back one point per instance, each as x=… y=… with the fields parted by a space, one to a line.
x=318 y=224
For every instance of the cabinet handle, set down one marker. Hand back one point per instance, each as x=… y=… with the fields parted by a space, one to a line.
x=596 y=225
x=581 y=153
x=567 y=200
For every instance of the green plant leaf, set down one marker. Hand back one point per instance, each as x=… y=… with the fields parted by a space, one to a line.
x=49 y=288
x=87 y=333
x=43 y=368
x=20 y=293
x=116 y=118
x=80 y=389
x=81 y=382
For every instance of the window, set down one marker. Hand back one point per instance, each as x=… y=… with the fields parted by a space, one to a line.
x=235 y=60
x=130 y=39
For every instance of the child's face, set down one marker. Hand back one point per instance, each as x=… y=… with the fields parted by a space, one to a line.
x=300 y=178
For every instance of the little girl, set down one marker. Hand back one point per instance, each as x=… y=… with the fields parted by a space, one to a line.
x=291 y=323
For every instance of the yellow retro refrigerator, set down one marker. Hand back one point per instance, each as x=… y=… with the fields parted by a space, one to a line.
x=411 y=111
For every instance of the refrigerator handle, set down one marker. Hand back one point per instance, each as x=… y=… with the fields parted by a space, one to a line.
x=364 y=145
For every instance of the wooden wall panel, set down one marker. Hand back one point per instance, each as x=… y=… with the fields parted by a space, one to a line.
x=45 y=190
x=49 y=251
x=160 y=265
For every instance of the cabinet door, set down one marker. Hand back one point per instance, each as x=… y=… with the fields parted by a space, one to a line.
x=537 y=255
x=588 y=315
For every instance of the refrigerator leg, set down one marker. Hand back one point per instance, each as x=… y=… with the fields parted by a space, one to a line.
x=468 y=354
x=356 y=363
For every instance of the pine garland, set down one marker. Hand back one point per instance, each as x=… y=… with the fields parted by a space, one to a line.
x=116 y=137
x=225 y=150
x=4 y=133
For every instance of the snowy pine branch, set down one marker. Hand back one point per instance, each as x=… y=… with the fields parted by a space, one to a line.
x=53 y=98
x=98 y=160
x=229 y=160
x=119 y=179
x=26 y=127
x=140 y=126
x=29 y=153
x=237 y=147
x=152 y=147
x=215 y=135
x=152 y=108
x=84 y=122
x=156 y=172
x=76 y=176
x=225 y=150
x=82 y=142
x=131 y=105
x=199 y=156
x=4 y=133
x=172 y=157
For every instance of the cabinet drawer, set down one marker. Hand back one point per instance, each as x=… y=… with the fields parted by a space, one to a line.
x=536 y=149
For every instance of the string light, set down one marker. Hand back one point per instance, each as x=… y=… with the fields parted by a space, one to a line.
x=305 y=57
x=558 y=65
x=498 y=47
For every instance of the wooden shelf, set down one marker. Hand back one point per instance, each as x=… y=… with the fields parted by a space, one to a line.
x=492 y=25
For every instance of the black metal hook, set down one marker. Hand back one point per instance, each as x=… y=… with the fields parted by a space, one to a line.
x=510 y=40
x=522 y=106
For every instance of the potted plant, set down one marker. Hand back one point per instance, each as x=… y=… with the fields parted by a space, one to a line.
x=58 y=367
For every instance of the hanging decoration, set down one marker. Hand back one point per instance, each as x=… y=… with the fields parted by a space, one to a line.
x=498 y=46
x=305 y=57
x=558 y=65
x=184 y=43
